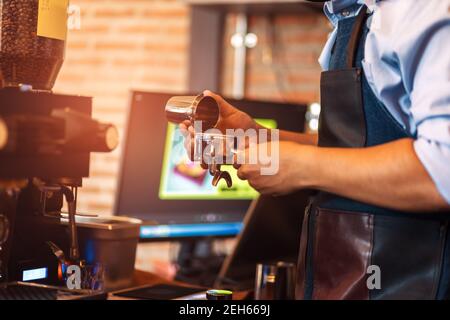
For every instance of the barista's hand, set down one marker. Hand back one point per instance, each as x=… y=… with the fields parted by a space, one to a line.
x=229 y=118
x=289 y=167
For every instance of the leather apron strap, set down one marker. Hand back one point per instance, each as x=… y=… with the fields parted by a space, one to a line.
x=342 y=121
x=355 y=37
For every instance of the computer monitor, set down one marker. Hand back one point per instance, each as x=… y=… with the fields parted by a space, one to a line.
x=174 y=197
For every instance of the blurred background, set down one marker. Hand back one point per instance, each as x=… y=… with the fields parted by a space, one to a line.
x=267 y=50
x=116 y=46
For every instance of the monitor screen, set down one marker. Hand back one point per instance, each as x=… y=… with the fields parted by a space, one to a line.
x=160 y=185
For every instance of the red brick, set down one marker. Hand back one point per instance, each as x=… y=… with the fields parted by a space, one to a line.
x=115 y=45
x=165 y=14
x=170 y=47
x=151 y=29
x=111 y=13
x=73 y=45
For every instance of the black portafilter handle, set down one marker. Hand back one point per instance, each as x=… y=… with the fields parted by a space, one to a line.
x=106 y=138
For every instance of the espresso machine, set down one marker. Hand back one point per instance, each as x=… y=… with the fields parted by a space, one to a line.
x=45 y=144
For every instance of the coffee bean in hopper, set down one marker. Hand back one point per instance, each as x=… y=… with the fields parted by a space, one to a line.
x=25 y=57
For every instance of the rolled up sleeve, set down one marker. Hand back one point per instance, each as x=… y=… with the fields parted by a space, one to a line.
x=435 y=157
x=427 y=65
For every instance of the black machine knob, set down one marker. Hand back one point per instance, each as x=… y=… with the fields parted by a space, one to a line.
x=3 y=134
x=219 y=295
x=107 y=138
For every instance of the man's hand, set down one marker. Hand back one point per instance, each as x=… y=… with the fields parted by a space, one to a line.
x=291 y=160
x=388 y=175
x=229 y=118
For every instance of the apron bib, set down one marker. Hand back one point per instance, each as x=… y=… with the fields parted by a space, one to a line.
x=344 y=241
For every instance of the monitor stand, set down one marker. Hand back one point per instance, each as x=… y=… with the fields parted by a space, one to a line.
x=198 y=263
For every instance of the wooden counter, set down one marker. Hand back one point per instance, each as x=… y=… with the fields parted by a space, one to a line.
x=143 y=278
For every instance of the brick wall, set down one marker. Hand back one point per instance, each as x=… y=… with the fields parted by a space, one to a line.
x=283 y=66
x=143 y=45
x=122 y=45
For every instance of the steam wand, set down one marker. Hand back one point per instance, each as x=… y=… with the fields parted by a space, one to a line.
x=74 y=253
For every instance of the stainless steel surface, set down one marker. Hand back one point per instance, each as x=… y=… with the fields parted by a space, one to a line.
x=74 y=253
x=240 y=57
x=111 y=241
x=222 y=175
x=57 y=252
x=105 y=222
x=74 y=249
x=275 y=281
x=215 y=149
x=195 y=296
x=193 y=108
x=220 y=145
x=285 y=281
x=265 y=281
x=205 y=109
x=214 y=170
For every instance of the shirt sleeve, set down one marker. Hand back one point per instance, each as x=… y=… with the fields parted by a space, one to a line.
x=423 y=48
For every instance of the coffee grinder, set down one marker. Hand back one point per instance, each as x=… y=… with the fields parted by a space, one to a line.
x=45 y=145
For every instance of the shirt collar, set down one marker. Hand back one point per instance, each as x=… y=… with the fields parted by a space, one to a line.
x=337 y=10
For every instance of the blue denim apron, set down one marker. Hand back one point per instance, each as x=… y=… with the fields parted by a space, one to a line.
x=353 y=250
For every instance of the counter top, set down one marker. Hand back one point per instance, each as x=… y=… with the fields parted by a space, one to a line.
x=144 y=278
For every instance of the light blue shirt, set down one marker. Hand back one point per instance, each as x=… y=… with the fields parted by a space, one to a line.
x=407 y=64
